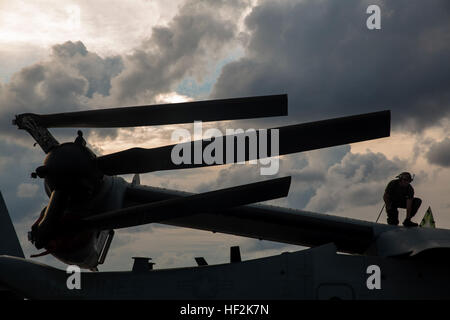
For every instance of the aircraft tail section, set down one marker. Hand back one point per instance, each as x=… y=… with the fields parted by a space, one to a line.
x=9 y=243
x=136 y=180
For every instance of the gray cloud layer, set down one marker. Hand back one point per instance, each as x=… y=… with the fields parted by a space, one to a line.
x=322 y=54
x=439 y=153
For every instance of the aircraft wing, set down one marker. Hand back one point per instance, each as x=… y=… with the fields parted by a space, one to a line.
x=268 y=222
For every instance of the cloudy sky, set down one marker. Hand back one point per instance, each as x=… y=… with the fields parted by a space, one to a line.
x=60 y=56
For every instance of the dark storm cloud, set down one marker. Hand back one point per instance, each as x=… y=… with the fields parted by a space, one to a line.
x=439 y=153
x=322 y=54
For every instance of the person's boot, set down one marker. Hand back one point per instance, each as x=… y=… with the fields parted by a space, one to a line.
x=408 y=223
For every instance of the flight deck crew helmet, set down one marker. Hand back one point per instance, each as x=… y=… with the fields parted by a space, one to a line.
x=406 y=176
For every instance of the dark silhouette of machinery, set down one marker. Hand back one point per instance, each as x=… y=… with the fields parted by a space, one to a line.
x=88 y=201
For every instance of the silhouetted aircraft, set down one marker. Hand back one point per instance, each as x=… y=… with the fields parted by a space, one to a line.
x=88 y=201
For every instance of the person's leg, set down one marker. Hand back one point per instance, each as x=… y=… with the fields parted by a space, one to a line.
x=415 y=206
x=392 y=216
x=416 y=202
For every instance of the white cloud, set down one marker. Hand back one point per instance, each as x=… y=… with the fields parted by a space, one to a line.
x=105 y=26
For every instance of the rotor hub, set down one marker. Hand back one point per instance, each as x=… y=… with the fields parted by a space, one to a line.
x=71 y=167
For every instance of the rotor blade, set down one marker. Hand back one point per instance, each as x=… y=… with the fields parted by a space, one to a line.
x=186 y=112
x=180 y=207
x=292 y=139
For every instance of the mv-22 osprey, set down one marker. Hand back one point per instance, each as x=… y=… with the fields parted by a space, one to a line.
x=88 y=201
